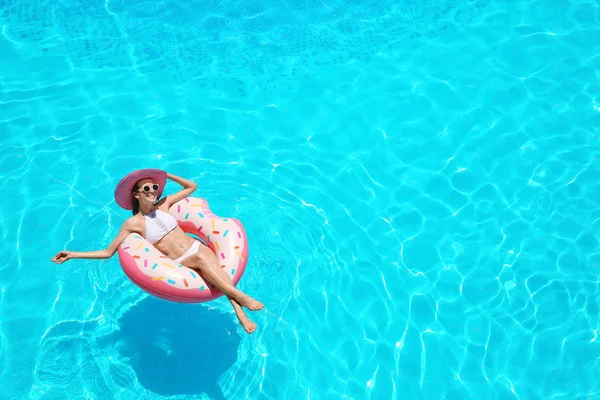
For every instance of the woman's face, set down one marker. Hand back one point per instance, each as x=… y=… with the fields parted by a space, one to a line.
x=147 y=191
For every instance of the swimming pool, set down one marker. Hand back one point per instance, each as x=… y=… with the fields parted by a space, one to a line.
x=418 y=181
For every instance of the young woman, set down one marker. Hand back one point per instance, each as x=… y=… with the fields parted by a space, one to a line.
x=141 y=191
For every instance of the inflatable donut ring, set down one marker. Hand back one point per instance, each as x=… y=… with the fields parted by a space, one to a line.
x=160 y=276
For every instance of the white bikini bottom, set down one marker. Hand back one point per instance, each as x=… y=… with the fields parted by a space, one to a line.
x=193 y=249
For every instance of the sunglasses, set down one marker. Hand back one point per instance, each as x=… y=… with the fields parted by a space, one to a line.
x=147 y=188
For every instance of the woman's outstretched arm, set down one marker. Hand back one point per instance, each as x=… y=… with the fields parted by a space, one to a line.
x=127 y=228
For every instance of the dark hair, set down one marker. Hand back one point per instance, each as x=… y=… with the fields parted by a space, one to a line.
x=135 y=203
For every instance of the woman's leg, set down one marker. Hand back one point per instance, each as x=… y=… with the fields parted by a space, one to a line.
x=206 y=261
x=248 y=325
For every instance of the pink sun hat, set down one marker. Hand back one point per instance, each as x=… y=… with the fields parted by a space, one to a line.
x=124 y=189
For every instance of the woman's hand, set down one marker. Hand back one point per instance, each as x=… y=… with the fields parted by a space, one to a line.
x=62 y=256
x=128 y=227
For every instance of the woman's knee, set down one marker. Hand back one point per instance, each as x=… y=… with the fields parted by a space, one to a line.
x=199 y=261
x=194 y=261
x=203 y=260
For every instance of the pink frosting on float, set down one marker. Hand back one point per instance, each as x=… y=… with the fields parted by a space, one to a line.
x=160 y=276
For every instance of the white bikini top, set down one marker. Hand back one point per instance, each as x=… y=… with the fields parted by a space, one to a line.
x=158 y=224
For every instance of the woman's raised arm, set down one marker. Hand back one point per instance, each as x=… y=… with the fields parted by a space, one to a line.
x=189 y=188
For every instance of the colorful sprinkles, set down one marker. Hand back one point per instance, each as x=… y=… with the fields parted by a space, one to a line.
x=180 y=281
x=240 y=255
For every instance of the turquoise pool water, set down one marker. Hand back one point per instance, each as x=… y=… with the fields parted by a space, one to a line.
x=418 y=180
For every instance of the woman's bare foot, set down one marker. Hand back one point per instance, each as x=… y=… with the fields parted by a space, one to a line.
x=248 y=325
x=250 y=303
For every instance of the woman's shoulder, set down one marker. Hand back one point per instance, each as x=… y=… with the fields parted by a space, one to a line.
x=162 y=204
x=132 y=223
